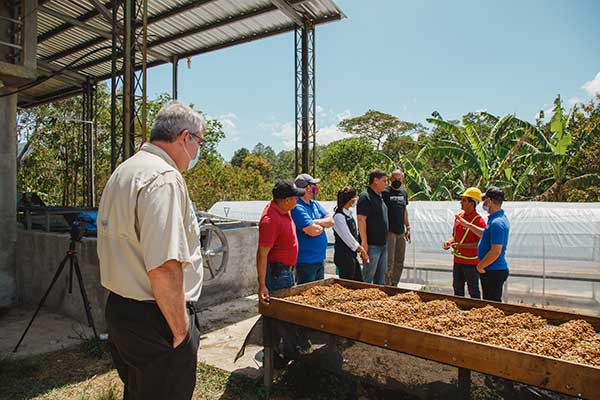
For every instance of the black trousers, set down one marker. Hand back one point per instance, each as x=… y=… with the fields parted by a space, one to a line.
x=348 y=265
x=492 y=283
x=141 y=345
x=465 y=273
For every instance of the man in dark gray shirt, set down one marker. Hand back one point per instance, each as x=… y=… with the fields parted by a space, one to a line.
x=396 y=200
x=373 y=227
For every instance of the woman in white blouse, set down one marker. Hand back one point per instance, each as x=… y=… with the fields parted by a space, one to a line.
x=346 y=237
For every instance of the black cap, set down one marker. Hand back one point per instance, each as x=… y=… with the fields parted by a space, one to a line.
x=284 y=189
x=494 y=193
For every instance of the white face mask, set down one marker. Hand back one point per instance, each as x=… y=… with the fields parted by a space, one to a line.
x=193 y=160
x=485 y=208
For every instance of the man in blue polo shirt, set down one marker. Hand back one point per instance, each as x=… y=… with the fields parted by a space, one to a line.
x=311 y=219
x=491 y=251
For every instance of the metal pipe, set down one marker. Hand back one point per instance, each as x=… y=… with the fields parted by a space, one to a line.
x=543 y=270
x=16 y=46
x=296 y=82
x=94 y=137
x=113 y=92
x=175 y=78
x=128 y=77
x=313 y=102
x=144 y=70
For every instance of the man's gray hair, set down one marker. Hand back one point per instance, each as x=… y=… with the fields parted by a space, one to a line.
x=397 y=172
x=174 y=118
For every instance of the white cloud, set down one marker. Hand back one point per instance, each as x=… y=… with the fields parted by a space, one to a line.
x=327 y=130
x=574 y=100
x=285 y=131
x=343 y=115
x=593 y=86
x=330 y=134
x=548 y=113
x=229 y=121
x=230 y=127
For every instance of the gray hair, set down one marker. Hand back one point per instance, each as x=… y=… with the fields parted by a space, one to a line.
x=174 y=118
x=397 y=172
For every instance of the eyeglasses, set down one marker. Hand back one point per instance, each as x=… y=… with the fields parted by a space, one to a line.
x=198 y=139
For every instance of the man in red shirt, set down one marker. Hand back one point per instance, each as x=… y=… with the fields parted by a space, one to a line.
x=464 y=244
x=277 y=242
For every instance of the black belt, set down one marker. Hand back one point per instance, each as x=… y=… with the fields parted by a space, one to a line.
x=189 y=305
x=277 y=268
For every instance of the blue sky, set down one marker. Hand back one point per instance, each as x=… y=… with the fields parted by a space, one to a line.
x=406 y=58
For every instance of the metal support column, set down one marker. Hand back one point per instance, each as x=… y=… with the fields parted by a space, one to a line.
x=175 y=77
x=304 y=39
x=114 y=86
x=88 y=117
x=128 y=87
x=144 y=118
x=268 y=352
x=129 y=79
x=464 y=383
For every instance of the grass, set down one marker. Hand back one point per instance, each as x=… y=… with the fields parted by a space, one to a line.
x=85 y=373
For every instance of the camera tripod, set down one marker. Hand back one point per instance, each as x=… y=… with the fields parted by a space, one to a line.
x=71 y=257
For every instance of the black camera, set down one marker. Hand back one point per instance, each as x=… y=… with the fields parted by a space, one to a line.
x=77 y=230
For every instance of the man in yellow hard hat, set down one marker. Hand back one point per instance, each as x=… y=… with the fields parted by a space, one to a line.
x=464 y=245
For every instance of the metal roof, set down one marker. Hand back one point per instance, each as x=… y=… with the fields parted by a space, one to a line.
x=181 y=28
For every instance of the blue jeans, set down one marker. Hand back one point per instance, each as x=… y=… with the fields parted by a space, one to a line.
x=310 y=272
x=284 y=280
x=374 y=270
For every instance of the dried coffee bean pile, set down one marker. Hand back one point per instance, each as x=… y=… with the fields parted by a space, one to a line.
x=574 y=341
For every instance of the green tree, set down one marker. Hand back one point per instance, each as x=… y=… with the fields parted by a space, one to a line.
x=376 y=126
x=259 y=164
x=554 y=147
x=238 y=156
x=349 y=161
x=587 y=119
x=51 y=161
x=265 y=152
x=214 y=180
x=479 y=160
x=284 y=167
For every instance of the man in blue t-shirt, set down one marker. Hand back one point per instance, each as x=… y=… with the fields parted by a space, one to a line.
x=491 y=251
x=311 y=219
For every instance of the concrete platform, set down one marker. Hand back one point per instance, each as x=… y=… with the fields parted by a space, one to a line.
x=223 y=330
x=49 y=332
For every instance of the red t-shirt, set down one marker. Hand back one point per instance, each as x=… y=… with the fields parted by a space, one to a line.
x=276 y=230
x=459 y=232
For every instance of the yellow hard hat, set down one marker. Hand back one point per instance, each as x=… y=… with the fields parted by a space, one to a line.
x=473 y=193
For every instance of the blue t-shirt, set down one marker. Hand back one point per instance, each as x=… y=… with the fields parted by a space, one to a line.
x=496 y=232
x=310 y=249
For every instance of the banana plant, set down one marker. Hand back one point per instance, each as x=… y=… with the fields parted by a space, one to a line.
x=555 y=151
x=489 y=157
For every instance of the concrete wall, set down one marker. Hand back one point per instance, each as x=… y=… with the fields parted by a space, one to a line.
x=40 y=253
x=8 y=197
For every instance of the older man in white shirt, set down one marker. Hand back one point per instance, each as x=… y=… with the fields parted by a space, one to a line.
x=150 y=260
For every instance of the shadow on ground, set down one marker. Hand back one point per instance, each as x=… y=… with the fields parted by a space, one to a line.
x=33 y=376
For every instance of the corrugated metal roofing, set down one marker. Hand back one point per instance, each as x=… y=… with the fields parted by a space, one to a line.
x=179 y=28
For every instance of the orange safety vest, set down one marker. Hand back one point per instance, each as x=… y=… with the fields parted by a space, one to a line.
x=457 y=252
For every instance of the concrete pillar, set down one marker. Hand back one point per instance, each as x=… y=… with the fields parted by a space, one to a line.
x=8 y=197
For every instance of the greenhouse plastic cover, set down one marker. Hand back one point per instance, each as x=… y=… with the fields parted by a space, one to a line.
x=541 y=230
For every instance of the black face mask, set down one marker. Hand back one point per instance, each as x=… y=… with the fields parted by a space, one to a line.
x=396 y=184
